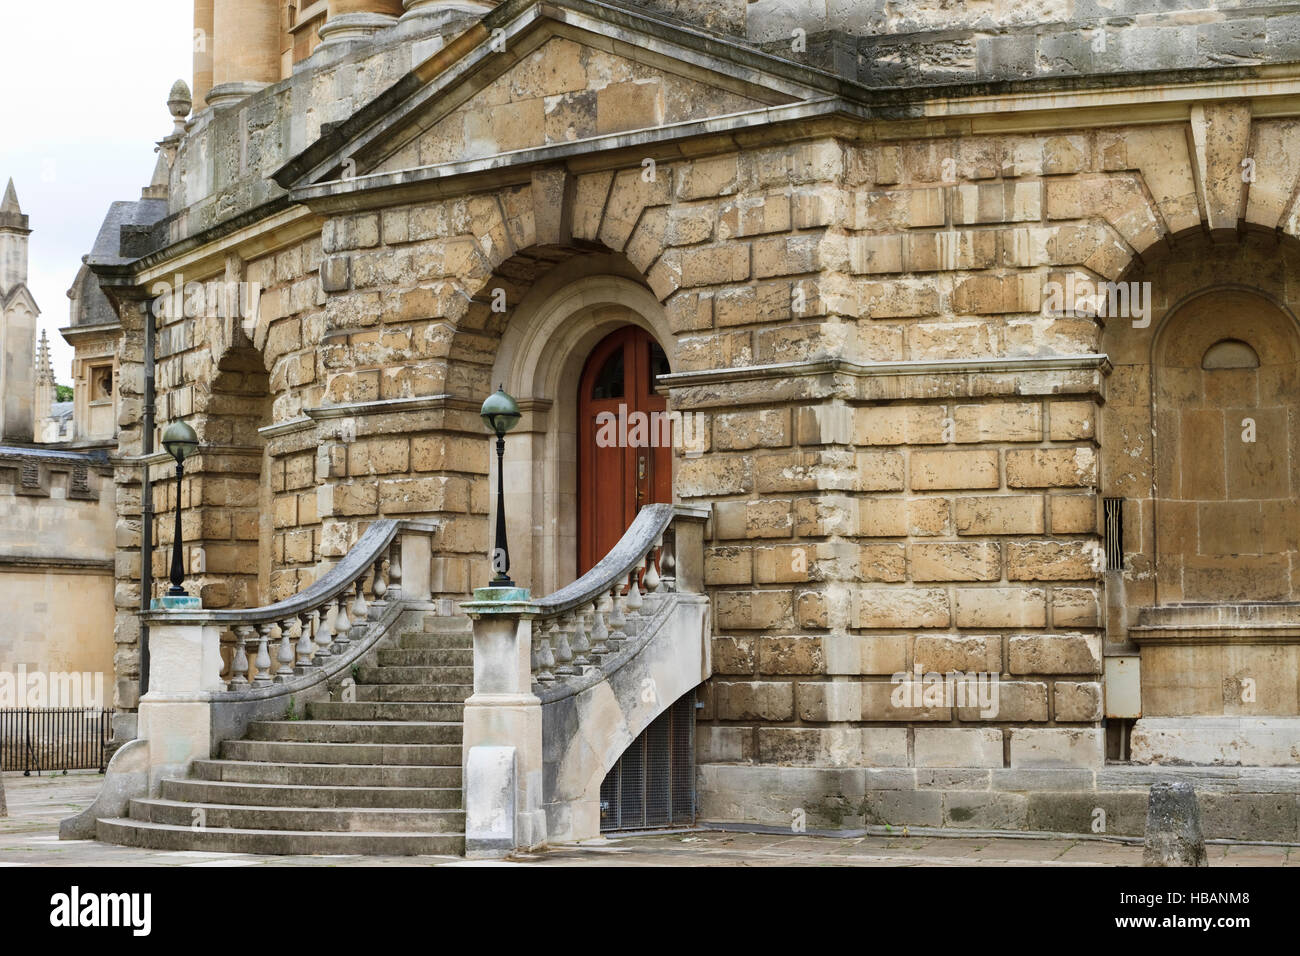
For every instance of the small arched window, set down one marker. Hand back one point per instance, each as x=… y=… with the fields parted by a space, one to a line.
x=1230 y=353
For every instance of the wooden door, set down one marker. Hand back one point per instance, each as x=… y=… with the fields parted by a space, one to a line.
x=624 y=440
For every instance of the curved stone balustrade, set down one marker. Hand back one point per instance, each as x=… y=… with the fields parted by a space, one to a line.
x=585 y=630
x=305 y=639
x=563 y=684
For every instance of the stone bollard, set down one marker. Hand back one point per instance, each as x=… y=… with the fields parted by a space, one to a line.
x=4 y=810
x=1173 y=835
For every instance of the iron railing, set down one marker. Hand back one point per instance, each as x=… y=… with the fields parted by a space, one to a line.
x=54 y=738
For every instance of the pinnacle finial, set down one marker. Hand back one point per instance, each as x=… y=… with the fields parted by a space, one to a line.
x=10 y=202
x=44 y=366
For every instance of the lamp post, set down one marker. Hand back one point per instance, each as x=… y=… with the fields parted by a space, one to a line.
x=500 y=414
x=181 y=442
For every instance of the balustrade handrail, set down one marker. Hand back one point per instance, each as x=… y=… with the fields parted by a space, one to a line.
x=369 y=548
x=593 y=624
x=646 y=529
x=295 y=643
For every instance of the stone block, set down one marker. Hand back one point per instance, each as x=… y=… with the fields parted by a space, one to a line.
x=790 y=655
x=1052 y=468
x=965 y=561
x=957 y=747
x=754 y=700
x=1071 y=560
x=934 y=470
x=1054 y=654
x=901 y=608
x=958 y=652
x=1000 y=514
x=1001 y=607
x=833 y=746
x=1057 y=747
x=1076 y=701
x=979 y=810
x=754 y=610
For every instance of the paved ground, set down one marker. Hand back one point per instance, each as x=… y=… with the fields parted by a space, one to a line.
x=29 y=837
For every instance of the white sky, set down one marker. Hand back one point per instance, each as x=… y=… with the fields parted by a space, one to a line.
x=83 y=90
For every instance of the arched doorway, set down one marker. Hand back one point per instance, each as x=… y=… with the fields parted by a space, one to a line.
x=624 y=439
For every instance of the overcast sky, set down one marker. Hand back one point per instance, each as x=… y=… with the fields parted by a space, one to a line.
x=83 y=91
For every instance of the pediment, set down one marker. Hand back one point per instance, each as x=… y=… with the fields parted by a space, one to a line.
x=554 y=74
x=565 y=92
x=19 y=297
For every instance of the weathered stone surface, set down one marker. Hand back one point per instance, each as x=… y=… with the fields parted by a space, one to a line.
x=1173 y=832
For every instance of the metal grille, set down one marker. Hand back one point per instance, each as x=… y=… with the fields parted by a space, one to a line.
x=1113 y=509
x=653 y=783
x=54 y=738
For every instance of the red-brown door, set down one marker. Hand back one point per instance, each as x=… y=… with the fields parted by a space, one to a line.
x=624 y=440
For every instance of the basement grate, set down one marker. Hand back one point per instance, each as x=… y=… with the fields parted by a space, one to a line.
x=652 y=785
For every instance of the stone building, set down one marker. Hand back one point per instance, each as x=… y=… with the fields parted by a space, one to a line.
x=983 y=318
x=56 y=537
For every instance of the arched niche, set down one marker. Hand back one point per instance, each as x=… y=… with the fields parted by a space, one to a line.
x=1227 y=450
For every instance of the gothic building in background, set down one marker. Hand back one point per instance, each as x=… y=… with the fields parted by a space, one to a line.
x=56 y=536
x=982 y=325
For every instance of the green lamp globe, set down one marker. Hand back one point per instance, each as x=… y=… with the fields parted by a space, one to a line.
x=180 y=440
x=500 y=413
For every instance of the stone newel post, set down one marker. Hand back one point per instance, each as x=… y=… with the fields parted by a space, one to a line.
x=503 y=729
x=176 y=713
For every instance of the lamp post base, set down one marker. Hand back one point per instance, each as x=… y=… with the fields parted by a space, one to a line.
x=170 y=603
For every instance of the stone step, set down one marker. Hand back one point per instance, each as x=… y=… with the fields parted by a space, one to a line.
x=190 y=790
x=448 y=624
x=383 y=710
x=398 y=674
x=426 y=657
x=334 y=819
x=358 y=731
x=162 y=836
x=446 y=641
x=325 y=774
x=420 y=693
x=295 y=751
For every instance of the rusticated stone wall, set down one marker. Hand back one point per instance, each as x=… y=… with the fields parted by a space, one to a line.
x=912 y=411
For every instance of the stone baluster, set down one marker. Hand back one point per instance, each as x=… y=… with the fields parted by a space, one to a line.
x=262 y=661
x=360 y=607
x=285 y=656
x=650 y=581
x=244 y=634
x=342 y=626
x=617 y=620
x=579 y=644
x=668 y=561
x=599 y=629
x=395 y=570
x=380 y=586
x=634 y=600
x=324 y=633
x=544 y=671
x=306 y=638
x=563 y=653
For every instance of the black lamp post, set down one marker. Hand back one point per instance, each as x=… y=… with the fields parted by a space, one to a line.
x=181 y=442
x=500 y=414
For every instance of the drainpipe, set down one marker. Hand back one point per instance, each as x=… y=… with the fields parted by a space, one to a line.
x=146 y=496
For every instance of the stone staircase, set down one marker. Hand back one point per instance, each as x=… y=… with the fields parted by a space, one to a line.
x=377 y=776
